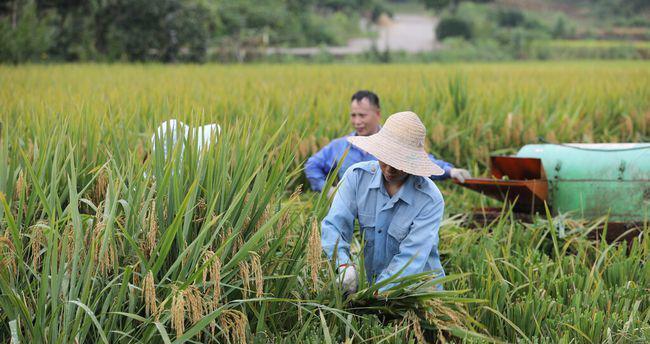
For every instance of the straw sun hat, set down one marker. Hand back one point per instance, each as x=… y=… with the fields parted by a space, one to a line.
x=400 y=144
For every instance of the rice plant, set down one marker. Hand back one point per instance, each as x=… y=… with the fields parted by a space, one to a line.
x=104 y=240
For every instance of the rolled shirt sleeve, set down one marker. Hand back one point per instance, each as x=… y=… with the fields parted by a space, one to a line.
x=338 y=226
x=420 y=245
x=318 y=166
x=446 y=166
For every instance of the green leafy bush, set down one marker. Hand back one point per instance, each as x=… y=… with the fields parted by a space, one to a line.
x=454 y=27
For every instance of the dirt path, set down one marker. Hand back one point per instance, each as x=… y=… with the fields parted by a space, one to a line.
x=404 y=32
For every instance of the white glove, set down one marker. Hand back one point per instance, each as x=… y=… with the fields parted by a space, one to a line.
x=348 y=278
x=460 y=174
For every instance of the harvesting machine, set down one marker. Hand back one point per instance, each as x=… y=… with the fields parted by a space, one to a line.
x=586 y=181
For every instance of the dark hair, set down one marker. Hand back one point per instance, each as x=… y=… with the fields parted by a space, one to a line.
x=371 y=96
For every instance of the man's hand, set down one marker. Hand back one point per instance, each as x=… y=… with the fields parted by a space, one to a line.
x=348 y=278
x=460 y=174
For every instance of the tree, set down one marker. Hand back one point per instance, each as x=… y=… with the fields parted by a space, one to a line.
x=23 y=35
x=439 y=5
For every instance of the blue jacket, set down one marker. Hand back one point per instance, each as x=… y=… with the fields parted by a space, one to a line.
x=395 y=229
x=319 y=165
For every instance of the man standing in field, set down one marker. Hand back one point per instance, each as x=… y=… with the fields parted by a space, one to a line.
x=365 y=116
x=399 y=208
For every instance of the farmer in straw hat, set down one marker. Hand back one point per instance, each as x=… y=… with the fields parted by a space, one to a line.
x=365 y=116
x=398 y=207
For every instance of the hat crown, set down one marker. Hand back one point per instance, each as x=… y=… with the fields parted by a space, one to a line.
x=406 y=127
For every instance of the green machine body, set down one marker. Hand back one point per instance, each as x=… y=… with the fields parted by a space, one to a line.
x=594 y=180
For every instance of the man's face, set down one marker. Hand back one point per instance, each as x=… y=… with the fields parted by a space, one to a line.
x=364 y=117
x=391 y=174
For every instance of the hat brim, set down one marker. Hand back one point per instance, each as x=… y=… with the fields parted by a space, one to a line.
x=396 y=155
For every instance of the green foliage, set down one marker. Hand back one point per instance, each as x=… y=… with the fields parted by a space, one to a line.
x=510 y=17
x=440 y=5
x=454 y=27
x=172 y=30
x=24 y=35
x=167 y=30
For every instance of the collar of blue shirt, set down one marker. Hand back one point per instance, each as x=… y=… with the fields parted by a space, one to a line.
x=405 y=193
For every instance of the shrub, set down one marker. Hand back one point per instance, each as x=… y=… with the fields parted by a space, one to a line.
x=510 y=17
x=454 y=27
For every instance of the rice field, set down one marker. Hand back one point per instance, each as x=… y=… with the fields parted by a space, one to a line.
x=103 y=240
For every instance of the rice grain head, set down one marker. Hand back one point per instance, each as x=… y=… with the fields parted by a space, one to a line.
x=178 y=312
x=234 y=323
x=20 y=186
x=214 y=272
x=104 y=249
x=239 y=242
x=244 y=274
x=414 y=322
x=258 y=275
x=194 y=303
x=101 y=183
x=136 y=277
x=149 y=294
x=37 y=240
x=152 y=233
x=8 y=255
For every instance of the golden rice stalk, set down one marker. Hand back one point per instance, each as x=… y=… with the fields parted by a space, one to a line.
x=136 y=277
x=258 y=275
x=296 y=193
x=239 y=242
x=214 y=272
x=101 y=183
x=149 y=294
x=36 y=242
x=30 y=150
x=247 y=222
x=194 y=303
x=8 y=257
x=314 y=253
x=152 y=233
x=233 y=324
x=107 y=257
x=414 y=322
x=178 y=312
x=244 y=274
x=20 y=185
x=224 y=236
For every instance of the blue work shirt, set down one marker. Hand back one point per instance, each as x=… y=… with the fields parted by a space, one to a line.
x=395 y=229
x=319 y=165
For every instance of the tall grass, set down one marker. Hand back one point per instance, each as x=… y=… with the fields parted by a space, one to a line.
x=104 y=240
